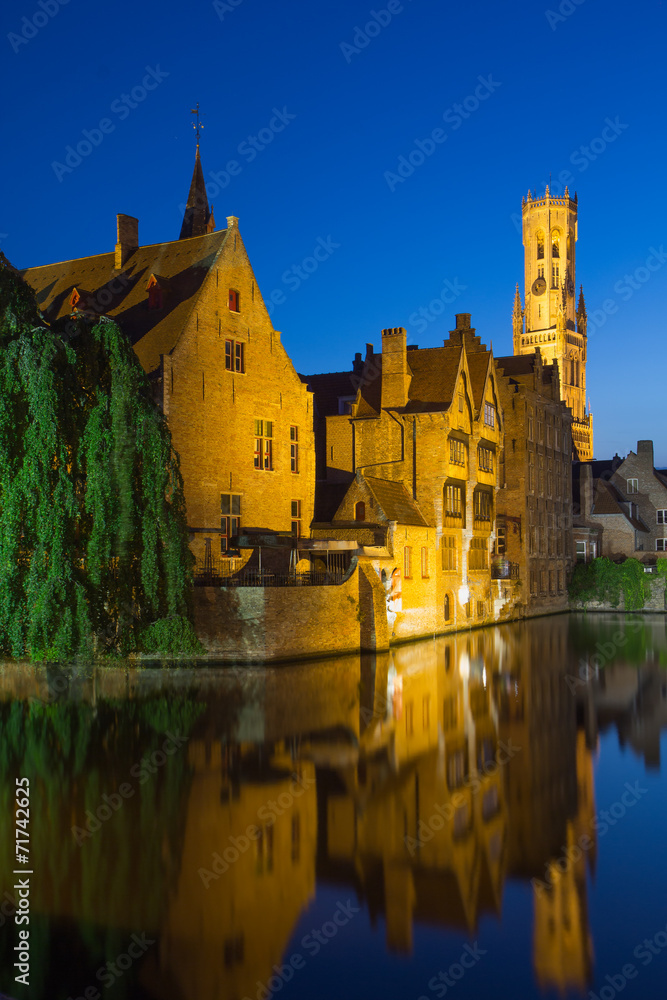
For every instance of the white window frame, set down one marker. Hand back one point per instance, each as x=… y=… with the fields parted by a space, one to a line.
x=633 y=486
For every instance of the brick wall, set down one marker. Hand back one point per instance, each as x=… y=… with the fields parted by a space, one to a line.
x=212 y=411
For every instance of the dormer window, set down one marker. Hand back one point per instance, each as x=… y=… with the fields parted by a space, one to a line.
x=234 y=298
x=360 y=511
x=155 y=292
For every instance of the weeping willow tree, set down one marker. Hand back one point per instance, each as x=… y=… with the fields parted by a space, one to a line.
x=94 y=555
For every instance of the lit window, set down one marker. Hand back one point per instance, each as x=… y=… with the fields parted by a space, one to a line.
x=501 y=540
x=233 y=300
x=294 y=448
x=482 y=506
x=407 y=562
x=449 y=553
x=230 y=520
x=264 y=445
x=457 y=454
x=296 y=517
x=555 y=245
x=454 y=501
x=478 y=557
x=424 y=561
x=448 y=608
x=485 y=459
x=489 y=414
x=633 y=485
x=234 y=356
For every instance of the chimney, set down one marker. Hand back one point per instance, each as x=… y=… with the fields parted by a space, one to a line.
x=395 y=377
x=585 y=489
x=357 y=364
x=127 y=228
x=463 y=321
x=645 y=451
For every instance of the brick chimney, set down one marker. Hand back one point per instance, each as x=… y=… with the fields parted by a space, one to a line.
x=585 y=489
x=395 y=376
x=645 y=451
x=127 y=228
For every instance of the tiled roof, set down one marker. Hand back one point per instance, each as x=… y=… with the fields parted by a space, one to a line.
x=609 y=501
x=478 y=366
x=517 y=364
x=327 y=388
x=182 y=265
x=394 y=501
x=434 y=371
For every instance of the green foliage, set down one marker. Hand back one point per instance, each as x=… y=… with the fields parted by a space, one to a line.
x=93 y=537
x=604 y=581
x=171 y=636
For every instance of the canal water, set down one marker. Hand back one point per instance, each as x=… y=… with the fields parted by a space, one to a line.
x=481 y=815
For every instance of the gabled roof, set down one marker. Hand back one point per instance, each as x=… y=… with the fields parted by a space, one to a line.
x=607 y=500
x=182 y=265
x=394 y=501
x=434 y=373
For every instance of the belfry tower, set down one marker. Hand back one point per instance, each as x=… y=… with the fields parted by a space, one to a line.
x=552 y=321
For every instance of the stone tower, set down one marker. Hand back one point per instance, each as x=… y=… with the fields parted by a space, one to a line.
x=550 y=320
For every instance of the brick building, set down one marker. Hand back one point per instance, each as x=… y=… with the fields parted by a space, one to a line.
x=534 y=502
x=409 y=446
x=625 y=500
x=240 y=417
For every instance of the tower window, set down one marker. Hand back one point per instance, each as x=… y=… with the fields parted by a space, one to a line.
x=555 y=275
x=540 y=246
x=555 y=245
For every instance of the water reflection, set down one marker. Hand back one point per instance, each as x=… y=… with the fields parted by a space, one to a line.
x=423 y=780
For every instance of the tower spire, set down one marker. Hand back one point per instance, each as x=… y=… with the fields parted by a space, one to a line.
x=197 y=218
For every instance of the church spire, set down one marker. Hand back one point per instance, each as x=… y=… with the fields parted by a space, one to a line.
x=197 y=218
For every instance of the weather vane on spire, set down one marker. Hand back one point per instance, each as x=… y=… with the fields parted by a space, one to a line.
x=197 y=126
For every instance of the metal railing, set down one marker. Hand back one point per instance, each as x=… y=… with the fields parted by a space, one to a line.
x=216 y=575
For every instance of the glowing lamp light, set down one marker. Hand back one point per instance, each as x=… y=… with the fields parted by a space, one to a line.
x=464 y=594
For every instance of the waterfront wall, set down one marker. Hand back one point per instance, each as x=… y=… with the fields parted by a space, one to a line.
x=264 y=623
x=656 y=602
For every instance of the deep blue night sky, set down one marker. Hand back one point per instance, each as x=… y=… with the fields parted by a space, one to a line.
x=359 y=103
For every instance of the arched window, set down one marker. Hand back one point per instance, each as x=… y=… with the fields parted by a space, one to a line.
x=540 y=245
x=447 y=608
x=360 y=511
x=555 y=243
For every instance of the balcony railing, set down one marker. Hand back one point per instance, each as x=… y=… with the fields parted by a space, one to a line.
x=219 y=573
x=503 y=569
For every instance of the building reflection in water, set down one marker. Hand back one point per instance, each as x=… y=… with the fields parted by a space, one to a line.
x=421 y=779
